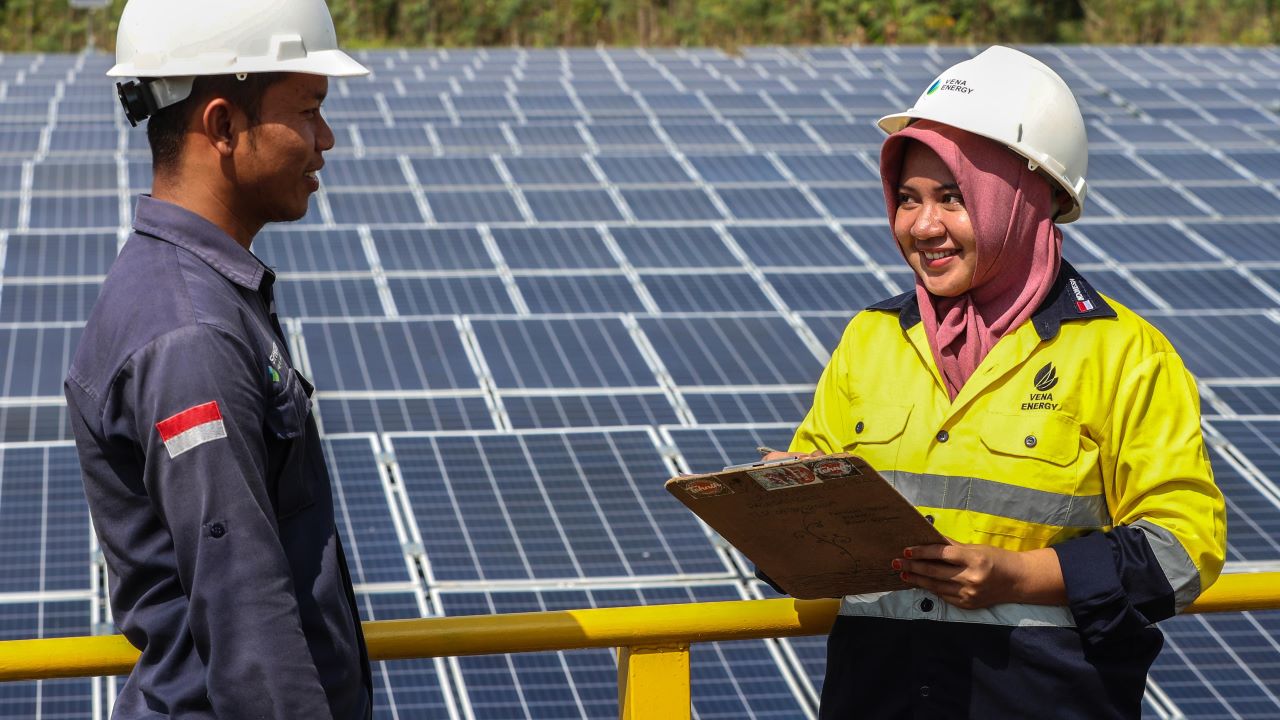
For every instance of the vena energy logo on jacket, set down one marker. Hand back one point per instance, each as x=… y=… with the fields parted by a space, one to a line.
x=1045 y=380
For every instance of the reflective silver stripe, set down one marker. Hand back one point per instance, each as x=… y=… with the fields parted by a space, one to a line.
x=950 y=492
x=906 y=605
x=195 y=437
x=1178 y=568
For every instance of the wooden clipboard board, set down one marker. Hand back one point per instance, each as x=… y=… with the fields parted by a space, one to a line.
x=819 y=527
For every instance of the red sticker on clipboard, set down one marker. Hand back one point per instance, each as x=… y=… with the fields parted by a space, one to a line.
x=835 y=468
x=777 y=478
x=706 y=487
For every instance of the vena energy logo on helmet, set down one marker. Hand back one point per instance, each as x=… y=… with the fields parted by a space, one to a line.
x=950 y=85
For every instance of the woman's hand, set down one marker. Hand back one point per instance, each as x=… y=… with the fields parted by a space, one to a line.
x=979 y=576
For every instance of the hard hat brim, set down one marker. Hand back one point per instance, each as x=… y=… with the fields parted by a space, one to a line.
x=330 y=63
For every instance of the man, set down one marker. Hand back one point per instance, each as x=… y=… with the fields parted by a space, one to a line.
x=202 y=463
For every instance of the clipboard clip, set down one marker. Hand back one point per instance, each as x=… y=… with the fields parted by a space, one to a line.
x=761 y=464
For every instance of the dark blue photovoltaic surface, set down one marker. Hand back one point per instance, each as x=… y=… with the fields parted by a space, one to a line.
x=535 y=283
x=549 y=506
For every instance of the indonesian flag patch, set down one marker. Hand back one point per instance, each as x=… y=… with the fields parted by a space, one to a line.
x=191 y=428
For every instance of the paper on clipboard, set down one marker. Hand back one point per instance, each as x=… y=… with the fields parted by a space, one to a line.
x=819 y=527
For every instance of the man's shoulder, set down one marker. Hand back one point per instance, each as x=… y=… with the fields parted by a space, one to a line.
x=153 y=289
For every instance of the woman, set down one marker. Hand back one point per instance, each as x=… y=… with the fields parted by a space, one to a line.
x=1050 y=433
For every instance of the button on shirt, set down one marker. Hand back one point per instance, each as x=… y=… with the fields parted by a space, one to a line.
x=208 y=487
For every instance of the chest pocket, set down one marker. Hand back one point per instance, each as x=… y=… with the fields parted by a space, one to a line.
x=286 y=428
x=876 y=431
x=1036 y=452
x=1045 y=441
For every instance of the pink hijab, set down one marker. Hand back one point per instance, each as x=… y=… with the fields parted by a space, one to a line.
x=1019 y=248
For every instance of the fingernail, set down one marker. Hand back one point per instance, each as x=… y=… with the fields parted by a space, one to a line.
x=896 y=564
x=906 y=553
x=905 y=577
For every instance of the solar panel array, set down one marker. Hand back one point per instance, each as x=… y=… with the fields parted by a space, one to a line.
x=535 y=284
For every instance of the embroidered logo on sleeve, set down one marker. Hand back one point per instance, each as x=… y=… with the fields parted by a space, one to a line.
x=191 y=428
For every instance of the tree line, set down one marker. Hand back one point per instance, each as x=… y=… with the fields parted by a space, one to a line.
x=53 y=26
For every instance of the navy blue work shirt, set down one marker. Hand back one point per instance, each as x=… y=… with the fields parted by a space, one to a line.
x=208 y=487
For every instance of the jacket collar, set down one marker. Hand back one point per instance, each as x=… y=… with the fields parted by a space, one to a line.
x=181 y=227
x=1070 y=298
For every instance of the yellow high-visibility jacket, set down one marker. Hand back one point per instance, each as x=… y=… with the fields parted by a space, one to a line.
x=1080 y=430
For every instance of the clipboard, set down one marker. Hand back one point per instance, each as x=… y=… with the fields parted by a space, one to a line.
x=819 y=527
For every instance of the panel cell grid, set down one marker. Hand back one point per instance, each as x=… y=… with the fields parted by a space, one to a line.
x=439 y=249
x=387 y=355
x=721 y=292
x=343 y=414
x=555 y=353
x=44 y=522
x=672 y=247
x=418 y=296
x=579 y=294
x=588 y=411
x=539 y=248
x=715 y=351
x=548 y=506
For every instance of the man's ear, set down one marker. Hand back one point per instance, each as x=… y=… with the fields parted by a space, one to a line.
x=218 y=125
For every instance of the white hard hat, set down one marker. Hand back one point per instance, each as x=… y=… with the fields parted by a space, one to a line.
x=1018 y=101
x=170 y=42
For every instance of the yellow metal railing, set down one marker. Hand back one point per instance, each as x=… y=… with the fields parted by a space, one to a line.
x=652 y=641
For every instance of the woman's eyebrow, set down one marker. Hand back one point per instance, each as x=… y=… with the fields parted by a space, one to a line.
x=943 y=186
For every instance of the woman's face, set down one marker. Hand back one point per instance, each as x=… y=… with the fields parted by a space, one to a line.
x=932 y=225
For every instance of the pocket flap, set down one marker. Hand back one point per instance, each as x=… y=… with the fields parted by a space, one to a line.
x=878 y=423
x=1052 y=437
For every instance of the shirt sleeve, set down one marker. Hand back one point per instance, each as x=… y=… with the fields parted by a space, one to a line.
x=1168 y=541
x=197 y=398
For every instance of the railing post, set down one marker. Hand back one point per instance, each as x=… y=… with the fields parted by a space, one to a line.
x=653 y=683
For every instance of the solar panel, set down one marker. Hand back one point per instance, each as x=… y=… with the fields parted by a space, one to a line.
x=437 y=249
x=387 y=356
x=721 y=292
x=314 y=250
x=600 y=239
x=70 y=698
x=44 y=522
x=456 y=171
x=541 y=248
x=572 y=205
x=579 y=294
x=35 y=359
x=1205 y=289
x=671 y=247
x=561 y=353
x=671 y=205
x=422 y=296
x=771 y=246
x=495 y=507
x=74 y=211
x=47 y=302
x=708 y=351
x=736 y=169
x=374 y=207
x=588 y=411
x=1222 y=345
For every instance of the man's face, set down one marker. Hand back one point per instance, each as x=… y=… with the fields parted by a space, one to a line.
x=277 y=159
